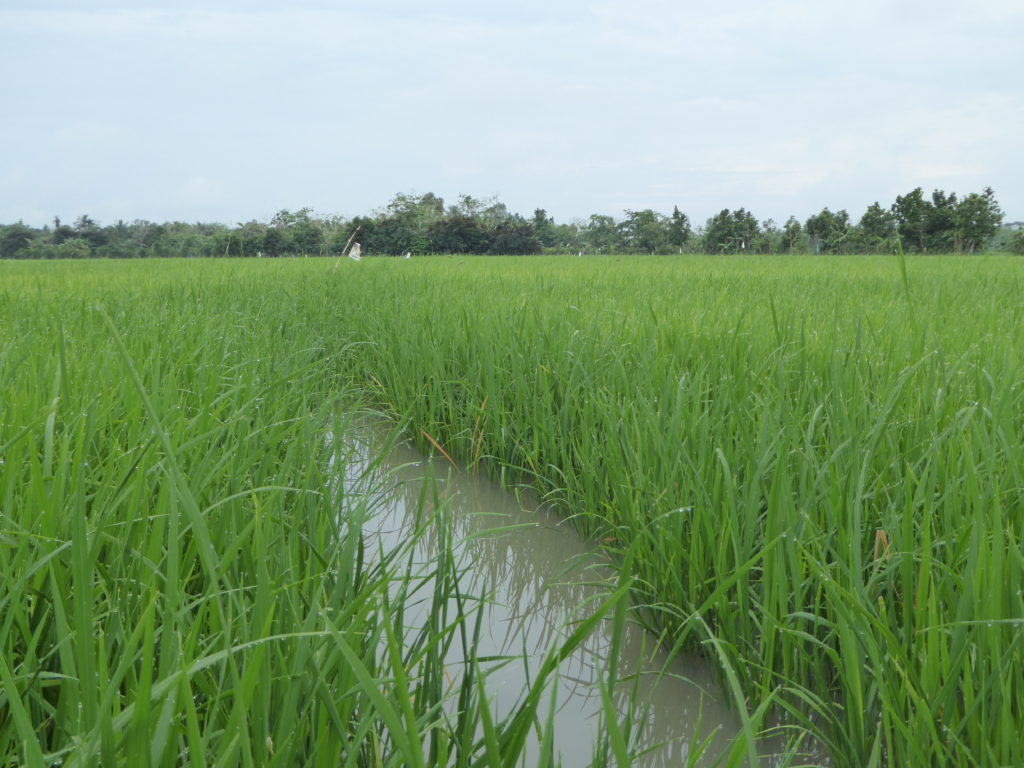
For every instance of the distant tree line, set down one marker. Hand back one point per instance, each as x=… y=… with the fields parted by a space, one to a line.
x=423 y=224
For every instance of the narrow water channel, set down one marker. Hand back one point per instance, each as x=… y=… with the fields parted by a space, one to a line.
x=540 y=576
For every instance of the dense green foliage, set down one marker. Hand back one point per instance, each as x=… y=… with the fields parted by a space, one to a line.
x=422 y=224
x=821 y=461
x=1017 y=242
x=182 y=575
x=818 y=465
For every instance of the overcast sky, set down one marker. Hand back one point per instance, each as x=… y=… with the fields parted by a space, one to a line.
x=230 y=111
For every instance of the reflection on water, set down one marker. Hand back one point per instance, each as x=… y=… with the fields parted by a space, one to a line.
x=540 y=576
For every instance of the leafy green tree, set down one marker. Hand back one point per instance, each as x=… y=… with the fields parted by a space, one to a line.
x=274 y=242
x=679 y=229
x=910 y=212
x=746 y=228
x=285 y=219
x=119 y=243
x=391 y=235
x=494 y=214
x=601 y=233
x=544 y=228
x=467 y=206
x=15 y=240
x=85 y=223
x=87 y=229
x=1017 y=242
x=250 y=238
x=570 y=237
x=645 y=231
x=422 y=224
x=876 y=230
x=731 y=231
x=416 y=211
x=302 y=233
x=72 y=248
x=791 y=232
x=515 y=237
x=718 y=233
x=403 y=225
x=362 y=227
x=305 y=237
x=458 y=233
x=150 y=235
x=61 y=232
x=225 y=243
x=939 y=224
x=770 y=238
x=975 y=219
x=829 y=230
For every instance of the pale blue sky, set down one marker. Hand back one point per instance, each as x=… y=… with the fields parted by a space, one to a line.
x=229 y=111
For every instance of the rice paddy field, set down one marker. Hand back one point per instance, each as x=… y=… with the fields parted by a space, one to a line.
x=810 y=469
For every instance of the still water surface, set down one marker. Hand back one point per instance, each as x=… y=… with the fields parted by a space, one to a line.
x=539 y=576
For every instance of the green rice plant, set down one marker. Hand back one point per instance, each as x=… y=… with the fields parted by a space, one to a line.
x=817 y=464
x=184 y=579
x=819 y=461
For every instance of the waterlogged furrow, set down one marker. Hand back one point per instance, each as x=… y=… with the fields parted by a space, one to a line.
x=538 y=579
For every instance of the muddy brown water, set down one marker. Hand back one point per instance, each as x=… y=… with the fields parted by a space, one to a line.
x=540 y=576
